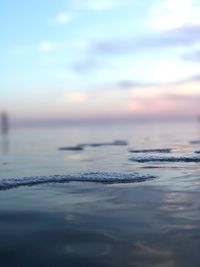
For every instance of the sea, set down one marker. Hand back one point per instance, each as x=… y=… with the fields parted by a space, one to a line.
x=104 y=195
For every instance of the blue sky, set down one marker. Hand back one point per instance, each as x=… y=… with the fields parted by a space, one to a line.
x=70 y=58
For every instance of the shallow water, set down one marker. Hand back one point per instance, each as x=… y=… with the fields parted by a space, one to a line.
x=152 y=223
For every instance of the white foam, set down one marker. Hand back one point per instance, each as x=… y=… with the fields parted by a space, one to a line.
x=189 y=158
x=97 y=177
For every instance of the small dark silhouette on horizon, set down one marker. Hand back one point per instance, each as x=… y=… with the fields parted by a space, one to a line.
x=4 y=123
x=4 y=128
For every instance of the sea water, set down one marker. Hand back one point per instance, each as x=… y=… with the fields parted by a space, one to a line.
x=103 y=205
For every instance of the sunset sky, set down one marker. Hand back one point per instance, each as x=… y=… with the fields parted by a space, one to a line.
x=96 y=59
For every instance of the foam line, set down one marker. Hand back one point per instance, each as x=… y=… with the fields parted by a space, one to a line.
x=97 y=177
x=167 y=159
x=157 y=150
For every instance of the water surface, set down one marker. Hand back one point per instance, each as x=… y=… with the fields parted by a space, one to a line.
x=151 y=223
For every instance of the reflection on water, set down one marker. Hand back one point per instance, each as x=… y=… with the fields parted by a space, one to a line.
x=97 y=225
x=4 y=121
x=4 y=145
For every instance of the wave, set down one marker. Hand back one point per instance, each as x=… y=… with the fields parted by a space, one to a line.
x=157 y=150
x=190 y=158
x=80 y=147
x=114 y=143
x=72 y=148
x=97 y=177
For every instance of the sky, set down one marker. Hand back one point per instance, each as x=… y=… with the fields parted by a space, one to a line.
x=99 y=59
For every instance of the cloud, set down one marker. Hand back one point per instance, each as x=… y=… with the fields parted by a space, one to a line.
x=64 y=18
x=131 y=84
x=181 y=100
x=178 y=100
x=47 y=47
x=88 y=65
x=184 y=37
x=128 y=84
x=184 y=97
x=170 y=14
x=193 y=56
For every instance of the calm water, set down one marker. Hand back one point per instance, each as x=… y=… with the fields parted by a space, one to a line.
x=152 y=223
